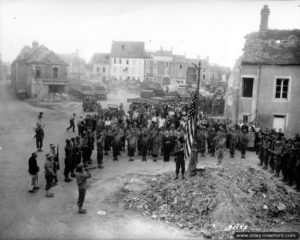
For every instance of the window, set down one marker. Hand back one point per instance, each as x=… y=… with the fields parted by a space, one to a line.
x=103 y=69
x=203 y=76
x=115 y=60
x=247 y=87
x=55 y=73
x=282 y=87
x=127 y=61
x=204 y=70
x=180 y=66
x=38 y=71
x=98 y=69
x=120 y=60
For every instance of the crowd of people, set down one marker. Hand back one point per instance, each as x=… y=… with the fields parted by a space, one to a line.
x=151 y=131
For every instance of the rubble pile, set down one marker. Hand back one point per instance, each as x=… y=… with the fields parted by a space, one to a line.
x=215 y=202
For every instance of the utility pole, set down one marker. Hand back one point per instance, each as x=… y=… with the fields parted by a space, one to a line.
x=194 y=157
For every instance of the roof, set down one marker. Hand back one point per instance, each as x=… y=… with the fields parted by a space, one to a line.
x=128 y=49
x=100 y=58
x=163 y=53
x=39 y=55
x=280 y=47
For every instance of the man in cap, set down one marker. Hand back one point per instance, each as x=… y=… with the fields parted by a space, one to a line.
x=33 y=171
x=220 y=140
x=233 y=141
x=243 y=142
x=49 y=174
x=81 y=177
x=55 y=157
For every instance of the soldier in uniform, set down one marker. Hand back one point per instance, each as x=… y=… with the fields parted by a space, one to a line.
x=91 y=140
x=296 y=157
x=260 y=148
x=243 y=142
x=49 y=174
x=132 y=141
x=266 y=144
x=78 y=151
x=156 y=143
x=201 y=140
x=277 y=152
x=55 y=158
x=145 y=144
x=210 y=141
x=291 y=164
x=39 y=137
x=107 y=139
x=100 y=148
x=117 y=135
x=167 y=144
x=233 y=141
x=179 y=158
x=271 y=153
x=220 y=140
x=68 y=160
x=73 y=157
x=85 y=149
x=285 y=157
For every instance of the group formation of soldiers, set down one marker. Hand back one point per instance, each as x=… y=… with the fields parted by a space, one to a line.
x=280 y=155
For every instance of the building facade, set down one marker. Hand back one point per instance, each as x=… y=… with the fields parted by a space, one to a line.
x=76 y=66
x=127 y=61
x=100 y=67
x=37 y=71
x=266 y=79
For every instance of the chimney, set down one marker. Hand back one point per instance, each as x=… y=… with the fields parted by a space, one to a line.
x=35 y=44
x=264 y=13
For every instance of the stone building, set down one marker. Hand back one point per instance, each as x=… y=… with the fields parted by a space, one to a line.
x=265 y=84
x=38 y=71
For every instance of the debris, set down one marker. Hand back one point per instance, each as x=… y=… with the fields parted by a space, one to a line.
x=101 y=213
x=281 y=206
x=216 y=202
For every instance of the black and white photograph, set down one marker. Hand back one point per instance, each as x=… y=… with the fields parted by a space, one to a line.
x=149 y=119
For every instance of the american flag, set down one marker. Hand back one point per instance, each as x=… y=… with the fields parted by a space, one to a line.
x=190 y=129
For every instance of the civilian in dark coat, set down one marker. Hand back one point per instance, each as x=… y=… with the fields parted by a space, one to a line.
x=33 y=171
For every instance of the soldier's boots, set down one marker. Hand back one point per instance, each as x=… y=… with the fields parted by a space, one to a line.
x=73 y=175
x=176 y=177
x=68 y=180
x=81 y=210
x=182 y=176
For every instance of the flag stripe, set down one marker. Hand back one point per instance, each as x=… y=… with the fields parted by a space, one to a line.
x=190 y=131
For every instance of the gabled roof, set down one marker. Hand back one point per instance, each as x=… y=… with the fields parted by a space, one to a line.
x=128 y=49
x=100 y=58
x=280 y=47
x=39 y=55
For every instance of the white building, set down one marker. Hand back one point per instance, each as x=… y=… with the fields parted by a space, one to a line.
x=127 y=61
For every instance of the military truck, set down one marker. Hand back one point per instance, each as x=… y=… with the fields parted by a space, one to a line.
x=155 y=87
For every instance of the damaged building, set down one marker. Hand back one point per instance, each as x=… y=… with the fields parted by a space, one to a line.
x=265 y=83
x=37 y=72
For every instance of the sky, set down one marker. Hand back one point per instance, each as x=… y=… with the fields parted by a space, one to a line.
x=205 y=28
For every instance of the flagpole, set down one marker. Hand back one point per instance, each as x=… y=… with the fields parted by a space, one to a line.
x=194 y=156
